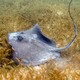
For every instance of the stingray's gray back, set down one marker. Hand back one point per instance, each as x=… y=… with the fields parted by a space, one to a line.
x=32 y=47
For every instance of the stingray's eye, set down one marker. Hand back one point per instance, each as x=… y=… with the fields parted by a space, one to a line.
x=19 y=38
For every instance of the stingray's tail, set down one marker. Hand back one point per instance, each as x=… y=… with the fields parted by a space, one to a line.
x=75 y=33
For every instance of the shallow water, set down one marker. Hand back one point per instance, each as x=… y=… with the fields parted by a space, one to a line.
x=55 y=23
x=51 y=15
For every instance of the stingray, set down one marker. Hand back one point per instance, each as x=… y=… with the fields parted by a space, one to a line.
x=33 y=47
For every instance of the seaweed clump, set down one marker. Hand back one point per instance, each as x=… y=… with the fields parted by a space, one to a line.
x=5 y=54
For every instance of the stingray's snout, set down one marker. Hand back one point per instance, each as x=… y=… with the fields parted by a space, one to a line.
x=13 y=36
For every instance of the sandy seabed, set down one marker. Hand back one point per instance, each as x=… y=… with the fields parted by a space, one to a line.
x=55 y=23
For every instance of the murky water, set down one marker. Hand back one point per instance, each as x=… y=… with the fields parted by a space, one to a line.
x=51 y=15
x=55 y=23
x=22 y=14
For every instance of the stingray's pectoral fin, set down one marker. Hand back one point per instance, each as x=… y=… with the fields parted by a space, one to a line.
x=36 y=28
x=55 y=55
x=42 y=37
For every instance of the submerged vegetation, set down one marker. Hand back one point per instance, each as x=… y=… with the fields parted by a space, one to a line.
x=55 y=23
